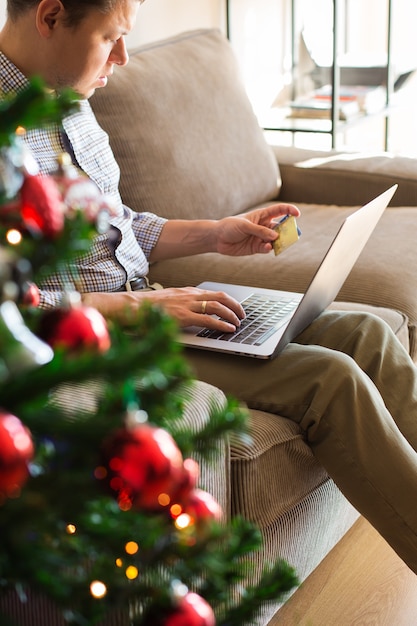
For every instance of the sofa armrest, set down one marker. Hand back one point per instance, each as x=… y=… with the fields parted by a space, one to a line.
x=344 y=178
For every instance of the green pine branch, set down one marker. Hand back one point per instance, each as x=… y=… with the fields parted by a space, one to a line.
x=34 y=107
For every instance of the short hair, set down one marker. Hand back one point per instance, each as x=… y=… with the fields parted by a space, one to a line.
x=76 y=9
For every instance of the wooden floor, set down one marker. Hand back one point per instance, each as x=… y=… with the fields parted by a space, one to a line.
x=361 y=583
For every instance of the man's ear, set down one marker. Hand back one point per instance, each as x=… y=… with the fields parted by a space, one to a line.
x=48 y=14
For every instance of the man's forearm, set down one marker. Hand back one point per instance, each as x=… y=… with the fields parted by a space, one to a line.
x=185 y=238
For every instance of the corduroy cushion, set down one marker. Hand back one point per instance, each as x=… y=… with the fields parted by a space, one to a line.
x=277 y=451
x=183 y=130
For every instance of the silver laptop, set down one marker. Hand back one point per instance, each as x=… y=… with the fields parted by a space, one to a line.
x=274 y=318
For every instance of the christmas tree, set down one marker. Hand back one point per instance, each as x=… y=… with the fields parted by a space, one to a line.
x=99 y=505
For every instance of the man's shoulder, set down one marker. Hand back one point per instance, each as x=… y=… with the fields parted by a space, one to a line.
x=11 y=78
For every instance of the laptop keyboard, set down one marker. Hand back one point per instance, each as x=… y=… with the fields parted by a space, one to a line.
x=264 y=316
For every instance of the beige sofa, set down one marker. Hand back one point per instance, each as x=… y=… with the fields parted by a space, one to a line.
x=189 y=146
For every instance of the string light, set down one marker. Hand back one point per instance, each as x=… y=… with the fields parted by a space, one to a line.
x=71 y=529
x=131 y=547
x=13 y=236
x=132 y=572
x=164 y=499
x=100 y=472
x=175 y=510
x=98 y=589
x=183 y=521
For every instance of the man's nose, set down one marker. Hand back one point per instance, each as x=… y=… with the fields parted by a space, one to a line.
x=119 y=54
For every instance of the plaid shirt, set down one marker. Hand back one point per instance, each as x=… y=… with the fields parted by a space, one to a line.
x=123 y=252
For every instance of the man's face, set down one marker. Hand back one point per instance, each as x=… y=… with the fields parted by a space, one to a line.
x=83 y=57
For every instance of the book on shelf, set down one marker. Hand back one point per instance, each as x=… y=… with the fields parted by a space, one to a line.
x=321 y=108
x=370 y=98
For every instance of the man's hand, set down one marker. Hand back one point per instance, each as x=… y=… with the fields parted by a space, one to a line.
x=251 y=233
x=189 y=306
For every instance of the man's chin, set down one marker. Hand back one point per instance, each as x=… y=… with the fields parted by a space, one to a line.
x=90 y=92
x=87 y=94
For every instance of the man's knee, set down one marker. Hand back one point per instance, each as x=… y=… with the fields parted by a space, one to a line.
x=348 y=331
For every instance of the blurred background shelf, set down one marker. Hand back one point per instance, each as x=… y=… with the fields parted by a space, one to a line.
x=309 y=74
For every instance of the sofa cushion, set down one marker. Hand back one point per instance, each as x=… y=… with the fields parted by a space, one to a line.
x=184 y=132
x=344 y=178
x=277 y=450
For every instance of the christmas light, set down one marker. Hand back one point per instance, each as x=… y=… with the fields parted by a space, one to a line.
x=164 y=499
x=131 y=547
x=132 y=572
x=98 y=589
x=14 y=237
x=183 y=521
x=71 y=529
x=100 y=472
x=175 y=510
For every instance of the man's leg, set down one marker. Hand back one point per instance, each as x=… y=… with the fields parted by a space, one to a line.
x=352 y=388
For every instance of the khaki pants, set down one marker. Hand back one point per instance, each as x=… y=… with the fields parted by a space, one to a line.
x=352 y=387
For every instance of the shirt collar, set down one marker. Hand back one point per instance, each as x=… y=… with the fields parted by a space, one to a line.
x=11 y=78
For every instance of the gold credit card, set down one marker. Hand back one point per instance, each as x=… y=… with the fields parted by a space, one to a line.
x=288 y=232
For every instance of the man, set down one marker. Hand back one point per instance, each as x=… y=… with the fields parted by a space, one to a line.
x=356 y=403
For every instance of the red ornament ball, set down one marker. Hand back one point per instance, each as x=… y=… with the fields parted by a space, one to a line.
x=192 y=610
x=16 y=450
x=76 y=329
x=202 y=509
x=30 y=294
x=42 y=209
x=144 y=466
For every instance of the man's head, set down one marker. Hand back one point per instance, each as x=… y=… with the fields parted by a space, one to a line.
x=70 y=43
x=76 y=9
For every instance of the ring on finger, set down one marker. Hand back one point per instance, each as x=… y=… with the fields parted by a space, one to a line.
x=203 y=307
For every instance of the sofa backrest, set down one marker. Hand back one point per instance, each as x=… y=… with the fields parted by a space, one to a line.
x=183 y=130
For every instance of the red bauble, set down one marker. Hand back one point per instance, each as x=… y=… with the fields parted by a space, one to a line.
x=16 y=450
x=143 y=462
x=76 y=329
x=202 y=508
x=30 y=294
x=42 y=209
x=192 y=610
